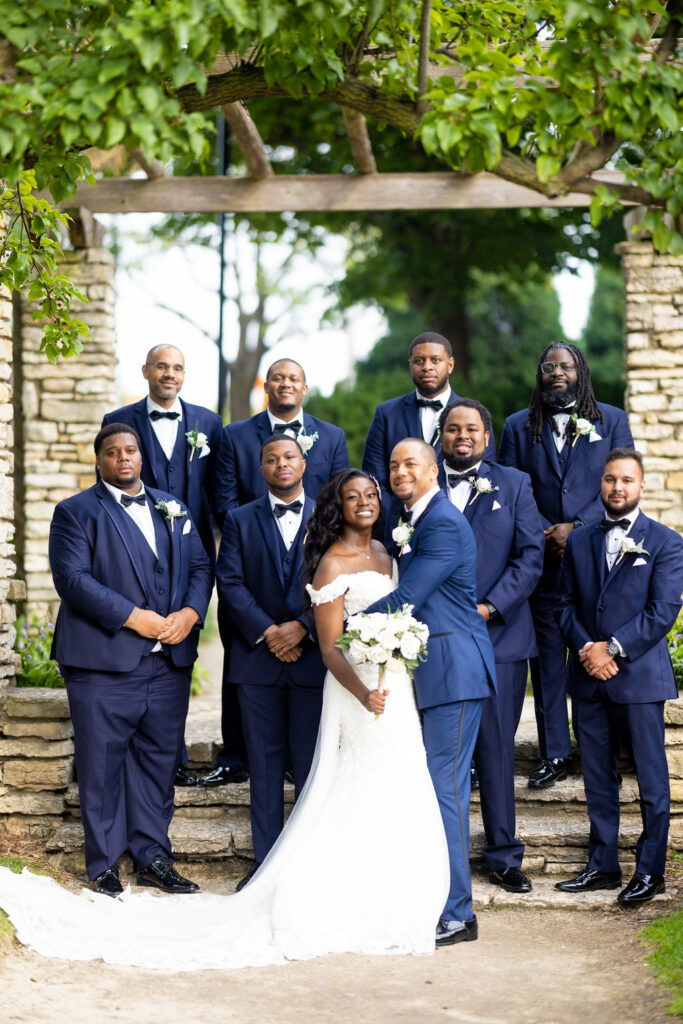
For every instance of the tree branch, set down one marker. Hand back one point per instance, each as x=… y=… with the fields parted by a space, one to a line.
x=359 y=140
x=248 y=139
x=152 y=168
x=667 y=46
x=592 y=159
x=423 y=59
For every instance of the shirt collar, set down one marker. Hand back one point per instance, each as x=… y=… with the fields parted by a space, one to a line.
x=274 y=419
x=153 y=407
x=116 y=492
x=421 y=503
x=444 y=398
x=281 y=501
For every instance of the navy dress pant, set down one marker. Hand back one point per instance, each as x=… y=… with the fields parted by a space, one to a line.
x=598 y=724
x=127 y=731
x=494 y=758
x=278 y=720
x=234 y=752
x=549 y=677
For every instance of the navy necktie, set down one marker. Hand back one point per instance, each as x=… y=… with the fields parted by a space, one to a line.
x=614 y=524
x=429 y=403
x=130 y=499
x=294 y=425
x=156 y=415
x=280 y=510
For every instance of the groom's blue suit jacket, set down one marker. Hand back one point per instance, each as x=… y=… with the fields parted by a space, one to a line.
x=508 y=531
x=258 y=588
x=98 y=567
x=637 y=603
x=438 y=577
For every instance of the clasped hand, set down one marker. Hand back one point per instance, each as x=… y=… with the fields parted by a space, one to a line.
x=172 y=629
x=283 y=640
x=556 y=537
x=597 y=662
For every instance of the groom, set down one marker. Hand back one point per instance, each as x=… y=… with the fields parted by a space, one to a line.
x=437 y=575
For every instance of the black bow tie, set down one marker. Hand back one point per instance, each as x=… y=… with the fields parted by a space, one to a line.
x=156 y=415
x=429 y=403
x=129 y=499
x=612 y=524
x=280 y=510
x=457 y=478
x=294 y=425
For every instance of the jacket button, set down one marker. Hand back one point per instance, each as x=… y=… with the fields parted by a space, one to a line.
x=601 y=607
x=565 y=490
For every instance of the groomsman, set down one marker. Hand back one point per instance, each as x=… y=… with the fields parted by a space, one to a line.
x=239 y=481
x=619 y=594
x=430 y=362
x=179 y=444
x=499 y=505
x=561 y=441
x=437 y=575
x=135 y=583
x=274 y=664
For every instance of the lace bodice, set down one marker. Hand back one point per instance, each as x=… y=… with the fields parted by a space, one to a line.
x=360 y=589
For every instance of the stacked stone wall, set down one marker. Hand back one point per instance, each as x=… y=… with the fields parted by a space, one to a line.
x=11 y=590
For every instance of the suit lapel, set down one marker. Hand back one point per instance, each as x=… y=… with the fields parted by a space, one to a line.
x=109 y=505
x=262 y=424
x=271 y=535
x=581 y=442
x=637 y=532
x=548 y=441
x=183 y=427
x=143 y=426
x=174 y=537
x=597 y=542
x=411 y=416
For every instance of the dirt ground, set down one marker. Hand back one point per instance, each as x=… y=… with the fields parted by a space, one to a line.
x=528 y=967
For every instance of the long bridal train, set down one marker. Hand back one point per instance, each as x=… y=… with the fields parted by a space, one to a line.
x=361 y=866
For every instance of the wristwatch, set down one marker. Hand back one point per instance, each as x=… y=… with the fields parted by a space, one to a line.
x=577 y=522
x=493 y=611
x=612 y=647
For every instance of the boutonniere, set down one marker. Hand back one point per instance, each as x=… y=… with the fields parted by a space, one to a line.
x=482 y=485
x=196 y=440
x=583 y=428
x=306 y=441
x=401 y=535
x=172 y=510
x=629 y=547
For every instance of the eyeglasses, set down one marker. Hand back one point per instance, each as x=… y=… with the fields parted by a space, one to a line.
x=164 y=367
x=549 y=367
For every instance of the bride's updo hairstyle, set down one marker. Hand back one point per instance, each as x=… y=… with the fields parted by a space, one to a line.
x=327 y=522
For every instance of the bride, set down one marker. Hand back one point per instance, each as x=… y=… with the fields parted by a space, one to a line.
x=361 y=865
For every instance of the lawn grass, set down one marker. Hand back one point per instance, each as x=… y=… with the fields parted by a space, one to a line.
x=666 y=933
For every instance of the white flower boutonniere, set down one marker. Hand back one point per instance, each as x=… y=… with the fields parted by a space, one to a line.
x=172 y=510
x=306 y=441
x=629 y=547
x=401 y=535
x=583 y=428
x=196 y=440
x=482 y=485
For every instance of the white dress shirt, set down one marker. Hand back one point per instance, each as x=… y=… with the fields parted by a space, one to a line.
x=166 y=430
x=429 y=418
x=421 y=504
x=290 y=432
x=561 y=420
x=460 y=494
x=613 y=538
x=289 y=523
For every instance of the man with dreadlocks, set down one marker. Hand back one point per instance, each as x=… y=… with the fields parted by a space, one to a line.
x=561 y=441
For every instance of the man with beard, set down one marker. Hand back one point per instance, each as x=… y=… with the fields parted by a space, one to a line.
x=619 y=594
x=430 y=361
x=499 y=505
x=561 y=441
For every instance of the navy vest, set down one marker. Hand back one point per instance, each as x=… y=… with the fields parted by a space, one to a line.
x=287 y=558
x=156 y=572
x=172 y=475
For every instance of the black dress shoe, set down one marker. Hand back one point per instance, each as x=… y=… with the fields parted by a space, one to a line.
x=109 y=883
x=184 y=777
x=512 y=880
x=641 y=888
x=474 y=778
x=589 y=880
x=222 y=775
x=549 y=771
x=450 y=932
x=162 y=875
x=249 y=875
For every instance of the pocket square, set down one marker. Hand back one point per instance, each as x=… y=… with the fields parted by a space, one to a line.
x=640 y=561
x=405 y=549
x=495 y=505
x=594 y=437
x=203 y=452
x=187 y=527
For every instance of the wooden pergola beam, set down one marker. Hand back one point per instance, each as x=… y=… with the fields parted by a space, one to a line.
x=320 y=193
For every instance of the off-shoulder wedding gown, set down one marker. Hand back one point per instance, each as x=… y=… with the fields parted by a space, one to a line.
x=361 y=866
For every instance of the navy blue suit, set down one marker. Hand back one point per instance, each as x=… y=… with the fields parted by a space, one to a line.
x=438 y=577
x=566 y=487
x=191 y=482
x=394 y=421
x=637 y=603
x=260 y=584
x=509 y=536
x=127 y=704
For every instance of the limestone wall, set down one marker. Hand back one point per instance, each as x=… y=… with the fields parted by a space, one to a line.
x=63 y=408
x=10 y=589
x=654 y=362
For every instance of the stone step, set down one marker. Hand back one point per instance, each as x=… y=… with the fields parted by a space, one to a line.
x=545 y=896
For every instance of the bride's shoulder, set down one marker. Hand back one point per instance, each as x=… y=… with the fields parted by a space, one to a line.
x=329 y=582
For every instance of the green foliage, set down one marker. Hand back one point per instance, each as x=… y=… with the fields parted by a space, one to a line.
x=603 y=336
x=675 y=641
x=33 y=644
x=667 y=959
x=200 y=676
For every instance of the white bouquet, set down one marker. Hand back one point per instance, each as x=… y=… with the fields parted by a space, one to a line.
x=387 y=639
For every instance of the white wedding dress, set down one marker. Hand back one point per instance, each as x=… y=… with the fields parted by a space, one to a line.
x=361 y=866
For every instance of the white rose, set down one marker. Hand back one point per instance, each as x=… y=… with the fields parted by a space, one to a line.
x=173 y=508
x=628 y=544
x=305 y=443
x=357 y=652
x=387 y=638
x=583 y=426
x=410 y=646
x=483 y=484
x=378 y=655
x=366 y=630
x=201 y=440
x=401 y=534
x=422 y=631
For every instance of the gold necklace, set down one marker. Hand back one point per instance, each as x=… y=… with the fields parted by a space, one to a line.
x=357 y=550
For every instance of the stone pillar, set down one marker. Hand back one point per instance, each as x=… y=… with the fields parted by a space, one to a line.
x=10 y=589
x=63 y=407
x=654 y=360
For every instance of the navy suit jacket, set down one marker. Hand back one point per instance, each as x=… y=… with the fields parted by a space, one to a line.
x=561 y=498
x=238 y=473
x=637 y=603
x=510 y=543
x=253 y=591
x=100 y=581
x=394 y=420
x=201 y=470
x=438 y=577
